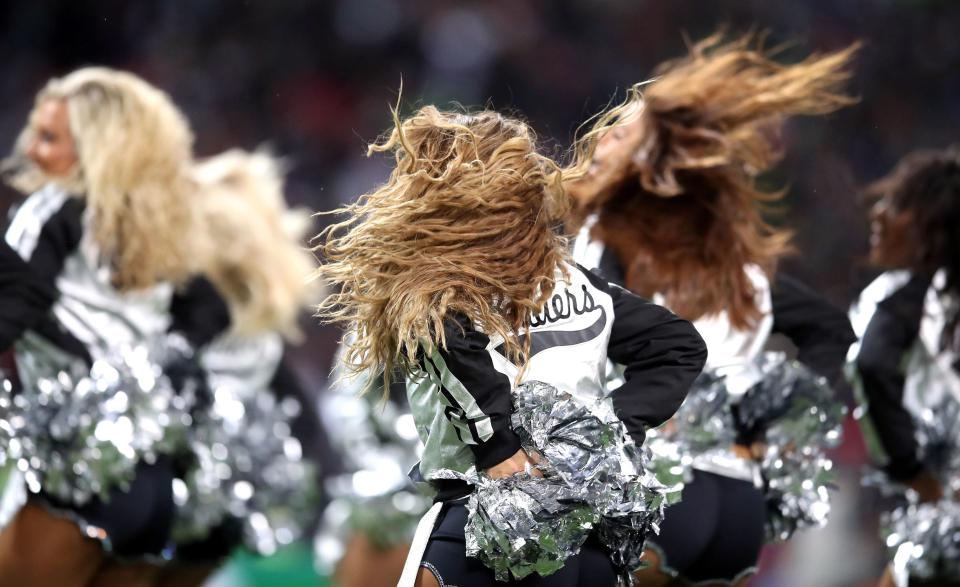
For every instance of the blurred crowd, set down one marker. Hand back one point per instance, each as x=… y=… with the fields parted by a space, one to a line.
x=314 y=80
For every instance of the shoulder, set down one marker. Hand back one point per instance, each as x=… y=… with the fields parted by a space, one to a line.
x=897 y=292
x=48 y=209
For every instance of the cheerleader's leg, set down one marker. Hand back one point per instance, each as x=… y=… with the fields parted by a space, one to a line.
x=39 y=548
x=186 y=575
x=366 y=564
x=120 y=574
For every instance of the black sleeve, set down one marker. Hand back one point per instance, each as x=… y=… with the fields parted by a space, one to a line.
x=199 y=312
x=820 y=331
x=487 y=430
x=881 y=367
x=28 y=286
x=25 y=298
x=611 y=269
x=662 y=354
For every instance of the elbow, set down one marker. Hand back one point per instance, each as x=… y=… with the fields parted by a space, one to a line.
x=844 y=334
x=697 y=349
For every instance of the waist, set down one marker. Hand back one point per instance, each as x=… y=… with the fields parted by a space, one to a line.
x=727 y=463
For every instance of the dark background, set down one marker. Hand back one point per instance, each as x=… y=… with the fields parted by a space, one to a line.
x=314 y=79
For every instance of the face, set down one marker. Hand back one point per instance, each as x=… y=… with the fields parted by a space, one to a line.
x=892 y=238
x=614 y=146
x=52 y=147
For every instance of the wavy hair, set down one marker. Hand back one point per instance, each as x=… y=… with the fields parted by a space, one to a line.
x=679 y=205
x=468 y=222
x=255 y=247
x=927 y=184
x=134 y=149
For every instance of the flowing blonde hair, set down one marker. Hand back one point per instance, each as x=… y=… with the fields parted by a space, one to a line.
x=467 y=223
x=256 y=255
x=134 y=149
x=679 y=206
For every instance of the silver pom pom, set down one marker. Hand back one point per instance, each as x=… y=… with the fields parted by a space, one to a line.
x=799 y=419
x=925 y=541
x=78 y=434
x=791 y=411
x=246 y=466
x=594 y=477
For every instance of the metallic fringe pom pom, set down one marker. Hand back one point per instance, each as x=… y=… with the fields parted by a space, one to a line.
x=77 y=434
x=246 y=465
x=791 y=412
x=594 y=478
x=925 y=541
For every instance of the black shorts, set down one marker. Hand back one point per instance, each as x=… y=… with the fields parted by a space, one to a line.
x=446 y=558
x=137 y=521
x=716 y=531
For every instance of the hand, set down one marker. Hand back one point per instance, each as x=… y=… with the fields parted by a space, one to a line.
x=520 y=462
x=927 y=486
x=753 y=452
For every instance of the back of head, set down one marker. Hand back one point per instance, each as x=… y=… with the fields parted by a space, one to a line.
x=254 y=251
x=678 y=201
x=134 y=149
x=467 y=223
x=926 y=185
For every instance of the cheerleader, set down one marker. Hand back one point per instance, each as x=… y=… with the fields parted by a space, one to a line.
x=374 y=508
x=256 y=259
x=454 y=272
x=907 y=358
x=670 y=209
x=109 y=239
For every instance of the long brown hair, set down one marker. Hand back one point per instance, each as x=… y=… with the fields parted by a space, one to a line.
x=465 y=224
x=679 y=206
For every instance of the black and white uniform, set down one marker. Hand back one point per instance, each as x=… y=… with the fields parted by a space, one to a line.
x=717 y=530
x=902 y=366
x=908 y=374
x=461 y=403
x=60 y=308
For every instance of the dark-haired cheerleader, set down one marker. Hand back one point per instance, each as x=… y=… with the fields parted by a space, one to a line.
x=908 y=360
x=671 y=210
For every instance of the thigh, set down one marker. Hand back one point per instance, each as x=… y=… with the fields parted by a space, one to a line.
x=364 y=564
x=39 y=548
x=119 y=574
x=689 y=525
x=740 y=533
x=185 y=575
